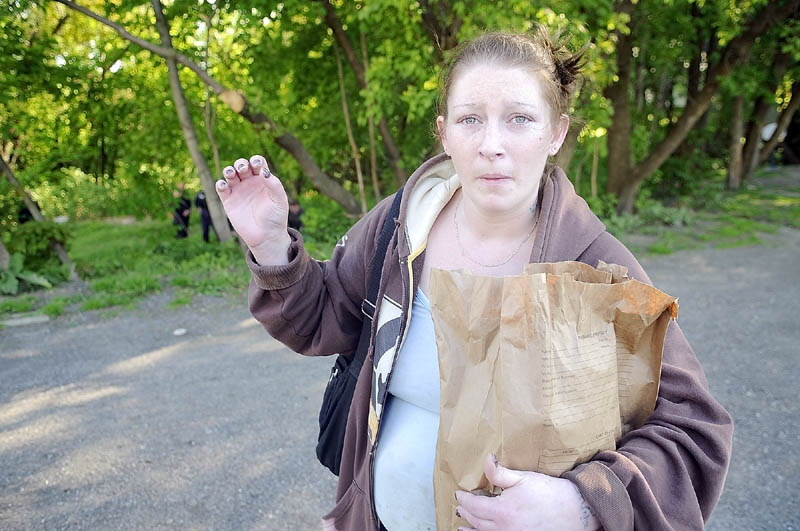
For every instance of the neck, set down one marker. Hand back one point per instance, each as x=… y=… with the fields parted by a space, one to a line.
x=509 y=225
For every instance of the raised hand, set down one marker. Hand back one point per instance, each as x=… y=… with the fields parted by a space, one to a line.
x=529 y=501
x=257 y=206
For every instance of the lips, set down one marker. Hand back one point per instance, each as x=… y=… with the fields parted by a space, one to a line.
x=494 y=177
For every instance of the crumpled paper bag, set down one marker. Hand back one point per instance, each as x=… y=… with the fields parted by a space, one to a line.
x=543 y=369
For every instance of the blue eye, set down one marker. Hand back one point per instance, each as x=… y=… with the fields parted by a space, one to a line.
x=469 y=120
x=520 y=119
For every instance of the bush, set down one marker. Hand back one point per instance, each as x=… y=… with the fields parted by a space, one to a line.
x=655 y=212
x=16 y=278
x=32 y=240
x=325 y=221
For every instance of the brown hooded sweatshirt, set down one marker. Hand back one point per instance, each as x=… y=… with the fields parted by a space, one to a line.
x=668 y=474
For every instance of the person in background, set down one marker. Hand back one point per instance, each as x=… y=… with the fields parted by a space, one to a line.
x=295 y=211
x=205 y=215
x=490 y=204
x=180 y=216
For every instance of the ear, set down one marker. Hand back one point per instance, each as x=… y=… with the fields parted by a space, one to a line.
x=559 y=133
x=440 y=126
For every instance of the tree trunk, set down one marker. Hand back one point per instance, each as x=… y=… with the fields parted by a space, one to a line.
x=350 y=137
x=209 y=108
x=564 y=157
x=218 y=217
x=37 y=215
x=441 y=25
x=5 y=258
x=621 y=128
x=23 y=194
x=373 y=159
x=784 y=120
x=595 y=163
x=761 y=109
x=239 y=104
x=735 y=53
x=753 y=139
x=735 y=146
x=392 y=152
x=567 y=151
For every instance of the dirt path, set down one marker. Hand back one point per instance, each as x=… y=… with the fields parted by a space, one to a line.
x=116 y=423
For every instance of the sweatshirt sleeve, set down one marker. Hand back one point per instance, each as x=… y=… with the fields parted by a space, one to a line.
x=313 y=306
x=669 y=473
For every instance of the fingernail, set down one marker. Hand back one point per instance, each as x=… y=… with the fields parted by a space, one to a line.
x=257 y=162
x=222 y=185
x=494 y=460
x=241 y=166
x=228 y=172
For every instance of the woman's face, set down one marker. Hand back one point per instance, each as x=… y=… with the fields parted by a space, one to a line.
x=499 y=132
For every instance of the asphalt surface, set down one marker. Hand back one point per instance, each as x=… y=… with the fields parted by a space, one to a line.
x=115 y=423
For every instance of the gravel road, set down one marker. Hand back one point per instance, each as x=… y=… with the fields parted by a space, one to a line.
x=115 y=423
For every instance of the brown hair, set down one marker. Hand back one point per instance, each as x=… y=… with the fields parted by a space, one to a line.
x=537 y=51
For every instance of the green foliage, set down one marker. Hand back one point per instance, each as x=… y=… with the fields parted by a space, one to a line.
x=55 y=307
x=106 y=300
x=325 y=222
x=183 y=298
x=764 y=205
x=93 y=132
x=17 y=278
x=17 y=304
x=127 y=262
x=32 y=240
x=133 y=283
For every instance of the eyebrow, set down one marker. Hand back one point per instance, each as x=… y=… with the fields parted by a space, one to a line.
x=521 y=103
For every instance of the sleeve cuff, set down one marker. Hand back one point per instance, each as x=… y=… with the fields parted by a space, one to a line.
x=272 y=277
x=605 y=494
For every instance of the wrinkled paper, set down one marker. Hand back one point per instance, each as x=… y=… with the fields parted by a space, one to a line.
x=543 y=369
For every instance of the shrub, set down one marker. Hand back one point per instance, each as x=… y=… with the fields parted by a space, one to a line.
x=16 y=277
x=33 y=240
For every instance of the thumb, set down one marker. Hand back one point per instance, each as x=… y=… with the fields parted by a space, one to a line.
x=275 y=188
x=500 y=476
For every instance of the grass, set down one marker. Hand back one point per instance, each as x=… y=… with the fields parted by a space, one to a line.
x=732 y=219
x=55 y=307
x=124 y=263
x=183 y=298
x=18 y=304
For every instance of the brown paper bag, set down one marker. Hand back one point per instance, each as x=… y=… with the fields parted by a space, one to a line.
x=544 y=369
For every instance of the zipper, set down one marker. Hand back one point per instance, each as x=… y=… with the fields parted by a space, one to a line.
x=402 y=338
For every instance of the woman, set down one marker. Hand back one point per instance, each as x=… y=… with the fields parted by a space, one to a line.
x=489 y=204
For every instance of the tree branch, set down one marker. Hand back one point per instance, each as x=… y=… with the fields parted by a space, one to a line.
x=734 y=53
x=239 y=104
x=333 y=22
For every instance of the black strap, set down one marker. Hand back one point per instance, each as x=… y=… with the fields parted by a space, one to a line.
x=368 y=305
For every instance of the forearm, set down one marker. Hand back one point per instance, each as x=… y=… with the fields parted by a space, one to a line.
x=273 y=253
x=670 y=471
x=312 y=307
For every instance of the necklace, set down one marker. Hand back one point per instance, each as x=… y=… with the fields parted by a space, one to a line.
x=504 y=262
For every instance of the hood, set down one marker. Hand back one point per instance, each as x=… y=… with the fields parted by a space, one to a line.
x=569 y=225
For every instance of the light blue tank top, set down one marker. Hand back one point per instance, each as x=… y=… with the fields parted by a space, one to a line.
x=404 y=461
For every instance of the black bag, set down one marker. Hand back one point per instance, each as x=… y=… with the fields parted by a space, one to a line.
x=344 y=373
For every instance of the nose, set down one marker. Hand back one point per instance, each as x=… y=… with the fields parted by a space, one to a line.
x=491 y=146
